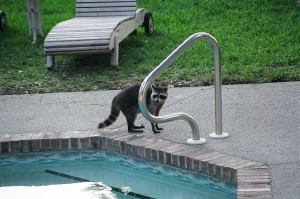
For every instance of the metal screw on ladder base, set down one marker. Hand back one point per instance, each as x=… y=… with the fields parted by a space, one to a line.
x=192 y=141
x=214 y=135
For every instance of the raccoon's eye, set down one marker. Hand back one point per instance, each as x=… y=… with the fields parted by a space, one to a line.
x=162 y=97
x=154 y=96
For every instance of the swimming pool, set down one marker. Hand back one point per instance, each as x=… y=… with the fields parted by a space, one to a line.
x=147 y=179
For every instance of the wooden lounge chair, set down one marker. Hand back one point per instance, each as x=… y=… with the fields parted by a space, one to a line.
x=98 y=27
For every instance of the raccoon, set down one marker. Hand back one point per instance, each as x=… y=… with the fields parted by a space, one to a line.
x=127 y=102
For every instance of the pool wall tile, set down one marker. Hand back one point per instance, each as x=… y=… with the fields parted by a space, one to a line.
x=210 y=170
x=95 y=142
x=55 y=144
x=217 y=171
x=74 y=143
x=196 y=165
x=122 y=147
x=45 y=145
x=232 y=175
x=25 y=146
x=174 y=160
x=203 y=167
x=161 y=157
x=182 y=162
x=253 y=179
x=189 y=163
x=103 y=142
x=128 y=149
x=35 y=145
x=140 y=152
x=109 y=144
x=65 y=143
x=158 y=151
x=148 y=154
x=182 y=155
x=168 y=158
x=85 y=143
x=226 y=174
x=154 y=154
x=116 y=146
x=133 y=150
x=15 y=147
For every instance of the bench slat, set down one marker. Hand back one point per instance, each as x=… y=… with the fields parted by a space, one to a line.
x=76 y=43
x=88 y=8
x=78 y=52
x=97 y=1
x=99 y=14
x=104 y=9
x=77 y=48
x=106 y=5
x=82 y=33
x=75 y=39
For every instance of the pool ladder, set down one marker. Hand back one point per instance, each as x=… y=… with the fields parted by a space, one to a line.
x=180 y=115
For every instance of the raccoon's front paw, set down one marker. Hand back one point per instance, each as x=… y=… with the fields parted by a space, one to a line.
x=155 y=132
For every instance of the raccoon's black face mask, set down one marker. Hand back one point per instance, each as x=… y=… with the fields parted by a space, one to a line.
x=159 y=94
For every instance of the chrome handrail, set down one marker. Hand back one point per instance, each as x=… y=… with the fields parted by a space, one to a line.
x=183 y=116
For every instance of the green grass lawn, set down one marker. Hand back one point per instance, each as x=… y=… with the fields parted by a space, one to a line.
x=259 y=40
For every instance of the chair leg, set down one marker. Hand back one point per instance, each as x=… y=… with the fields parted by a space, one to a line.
x=50 y=62
x=115 y=53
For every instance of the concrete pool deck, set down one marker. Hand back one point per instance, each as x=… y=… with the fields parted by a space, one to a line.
x=263 y=121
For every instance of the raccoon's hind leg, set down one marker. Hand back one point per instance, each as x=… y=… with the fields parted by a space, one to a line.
x=138 y=127
x=131 y=128
x=130 y=117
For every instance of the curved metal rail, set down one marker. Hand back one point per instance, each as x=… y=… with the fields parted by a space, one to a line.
x=183 y=116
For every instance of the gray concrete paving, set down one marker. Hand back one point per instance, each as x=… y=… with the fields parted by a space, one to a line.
x=263 y=121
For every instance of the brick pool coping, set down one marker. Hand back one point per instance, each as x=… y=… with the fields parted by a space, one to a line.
x=253 y=179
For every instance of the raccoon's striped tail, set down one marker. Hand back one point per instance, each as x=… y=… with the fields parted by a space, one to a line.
x=114 y=113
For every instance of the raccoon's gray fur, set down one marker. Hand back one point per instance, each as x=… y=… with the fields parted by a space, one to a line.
x=127 y=102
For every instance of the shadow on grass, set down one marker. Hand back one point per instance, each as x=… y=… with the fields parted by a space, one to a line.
x=133 y=54
x=72 y=65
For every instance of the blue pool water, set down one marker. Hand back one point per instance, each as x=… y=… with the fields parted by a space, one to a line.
x=117 y=171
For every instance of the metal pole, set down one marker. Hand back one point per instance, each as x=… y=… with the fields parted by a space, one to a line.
x=183 y=116
x=218 y=94
x=34 y=19
x=29 y=15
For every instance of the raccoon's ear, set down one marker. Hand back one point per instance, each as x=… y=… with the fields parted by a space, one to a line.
x=164 y=87
x=153 y=87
